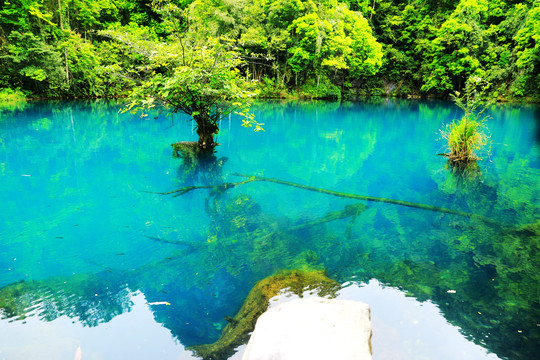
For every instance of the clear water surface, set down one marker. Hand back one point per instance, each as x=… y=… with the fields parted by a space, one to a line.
x=92 y=258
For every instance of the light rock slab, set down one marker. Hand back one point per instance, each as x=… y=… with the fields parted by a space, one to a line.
x=312 y=329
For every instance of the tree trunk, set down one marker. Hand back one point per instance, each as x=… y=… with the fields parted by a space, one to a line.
x=206 y=138
x=65 y=48
x=206 y=130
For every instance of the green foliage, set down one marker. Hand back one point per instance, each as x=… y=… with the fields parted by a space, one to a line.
x=320 y=88
x=293 y=41
x=470 y=133
x=35 y=65
x=455 y=50
x=83 y=64
x=380 y=47
x=528 y=55
x=271 y=88
x=464 y=138
x=199 y=78
x=11 y=96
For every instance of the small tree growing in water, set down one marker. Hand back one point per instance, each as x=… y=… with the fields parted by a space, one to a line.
x=203 y=82
x=200 y=78
x=470 y=134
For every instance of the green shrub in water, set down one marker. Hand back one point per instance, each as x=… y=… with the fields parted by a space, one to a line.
x=470 y=134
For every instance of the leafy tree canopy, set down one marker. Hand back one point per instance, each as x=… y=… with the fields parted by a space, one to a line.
x=320 y=48
x=201 y=78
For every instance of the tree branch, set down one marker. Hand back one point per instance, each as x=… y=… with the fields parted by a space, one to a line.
x=252 y=178
x=375 y=199
x=220 y=187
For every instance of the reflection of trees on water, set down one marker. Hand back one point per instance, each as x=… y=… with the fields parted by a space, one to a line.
x=90 y=298
x=198 y=165
x=204 y=281
x=483 y=277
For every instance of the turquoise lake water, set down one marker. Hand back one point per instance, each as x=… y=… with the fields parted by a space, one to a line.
x=92 y=257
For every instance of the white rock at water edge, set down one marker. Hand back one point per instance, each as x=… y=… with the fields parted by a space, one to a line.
x=312 y=329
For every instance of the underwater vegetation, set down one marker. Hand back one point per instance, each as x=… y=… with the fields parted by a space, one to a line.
x=477 y=273
x=470 y=259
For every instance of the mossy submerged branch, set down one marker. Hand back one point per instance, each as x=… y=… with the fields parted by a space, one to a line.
x=252 y=178
x=220 y=187
x=349 y=211
x=374 y=199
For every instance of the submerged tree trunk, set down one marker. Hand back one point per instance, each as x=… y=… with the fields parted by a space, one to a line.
x=206 y=130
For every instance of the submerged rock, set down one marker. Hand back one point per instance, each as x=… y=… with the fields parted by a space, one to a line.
x=256 y=303
x=313 y=328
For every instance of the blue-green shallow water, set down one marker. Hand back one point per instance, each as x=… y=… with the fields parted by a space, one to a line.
x=82 y=238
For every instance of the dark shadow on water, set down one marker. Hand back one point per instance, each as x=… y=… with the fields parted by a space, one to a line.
x=465 y=173
x=199 y=166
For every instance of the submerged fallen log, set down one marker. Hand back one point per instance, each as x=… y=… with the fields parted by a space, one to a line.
x=349 y=211
x=220 y=187
x=253 y=178
x=373 y=198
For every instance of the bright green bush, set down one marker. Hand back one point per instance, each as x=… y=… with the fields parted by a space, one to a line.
x=268 y=88
x=465 y=137
x=10 y=95
x=470 y=134
x=324 y=89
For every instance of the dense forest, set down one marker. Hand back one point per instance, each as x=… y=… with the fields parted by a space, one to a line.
x=289 y=48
